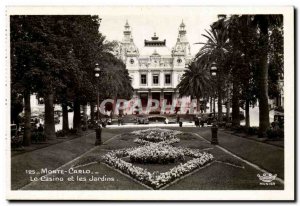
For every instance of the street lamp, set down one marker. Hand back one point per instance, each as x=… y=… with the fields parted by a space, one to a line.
x=97 y=72
x=214 y=128
x=213 y=70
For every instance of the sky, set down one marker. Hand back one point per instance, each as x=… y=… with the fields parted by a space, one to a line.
x=165 y=21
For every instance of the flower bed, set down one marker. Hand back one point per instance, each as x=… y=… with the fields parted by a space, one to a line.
x=156 y=153
x=156 y=135
x=156 y=179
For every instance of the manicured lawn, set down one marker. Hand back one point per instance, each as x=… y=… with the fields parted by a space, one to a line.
x=225 y=172
x=51 y=157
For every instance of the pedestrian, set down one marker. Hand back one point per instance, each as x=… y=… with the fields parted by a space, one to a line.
x=119 y=120
x=35 y=129
x=197 y=122
x=166 y=121
x=40 y=128
x=276 y=125
x=178 y=118
x=202 y=122
x=122 y=119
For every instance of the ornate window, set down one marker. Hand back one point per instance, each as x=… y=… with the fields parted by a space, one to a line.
x=167 y=78
x=179 y=60
x=155 y=79
x=131 y=61
x=143 y=79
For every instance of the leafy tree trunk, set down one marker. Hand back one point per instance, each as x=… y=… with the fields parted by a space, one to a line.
x=228 y=105
x=198 y=105
x=264 y=122
x=235 y=105
x=219 y=102
x=65 y=115
x=228 y=111
x=247 y=113
x=27 y=126
x=49 y=116
x=84 y=108
x=92 y=114
x=214 y=106
x=76 y=118
x=210 y=105
x=205 y=103
x=114 y=104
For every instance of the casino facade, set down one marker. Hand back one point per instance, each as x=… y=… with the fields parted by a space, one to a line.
x=155 y=70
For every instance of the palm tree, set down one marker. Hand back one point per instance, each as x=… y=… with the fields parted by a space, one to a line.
x=196 y=80
x=215 y=49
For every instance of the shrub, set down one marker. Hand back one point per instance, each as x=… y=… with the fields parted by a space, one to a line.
x=222 y=124
x=73 y=131
x=60 y=133
x=281 y=133
x=38 y=137
x=91 y=126
x=228 y=125
x=83 y=128
x=239 y=129
x=275 y=134
x=16 y=141
x=253 y=131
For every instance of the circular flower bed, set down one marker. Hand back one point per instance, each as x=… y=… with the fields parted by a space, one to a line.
x=156 y=153
x=156 y=135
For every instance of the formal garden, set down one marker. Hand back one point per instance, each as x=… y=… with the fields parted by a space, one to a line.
x=155 y=158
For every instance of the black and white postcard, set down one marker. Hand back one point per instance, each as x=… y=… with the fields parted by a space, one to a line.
x=150 y=103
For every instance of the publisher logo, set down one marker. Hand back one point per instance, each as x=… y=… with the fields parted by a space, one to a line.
x=267 y=178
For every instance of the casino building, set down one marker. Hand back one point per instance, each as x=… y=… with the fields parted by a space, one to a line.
x=155 y=69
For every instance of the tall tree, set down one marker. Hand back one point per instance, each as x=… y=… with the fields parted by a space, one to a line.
x=216 y=49
x=24 y=60
x=265 y=23
x=196 y=80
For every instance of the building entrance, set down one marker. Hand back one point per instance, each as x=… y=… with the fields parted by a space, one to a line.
x=144 y=99
x=168 y=97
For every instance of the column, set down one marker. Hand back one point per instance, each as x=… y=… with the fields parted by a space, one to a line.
x=149 y=79
x=161 y=79
x=149 y=94
x=162 y=98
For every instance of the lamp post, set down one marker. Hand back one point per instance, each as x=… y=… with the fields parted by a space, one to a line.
x=214 y=128
x=97 y=71
x=213 y=72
